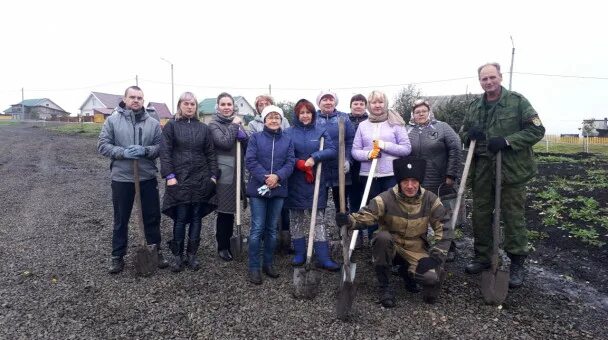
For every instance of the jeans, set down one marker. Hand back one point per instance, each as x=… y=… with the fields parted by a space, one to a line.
x=264 y=216
x=187 y=214
x=123 y=194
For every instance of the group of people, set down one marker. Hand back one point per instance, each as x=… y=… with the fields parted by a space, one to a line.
x=413 y=161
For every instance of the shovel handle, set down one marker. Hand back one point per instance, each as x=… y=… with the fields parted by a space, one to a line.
x=463 y=183
x=140 y=216
x=313 y=214
x=238 y=186
x=496 y=224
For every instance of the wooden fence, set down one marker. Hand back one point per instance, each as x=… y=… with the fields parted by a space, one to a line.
x=550 y=141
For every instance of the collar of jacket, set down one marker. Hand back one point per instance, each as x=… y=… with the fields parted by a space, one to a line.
x=127 y=112
x=358 y=119
x=273 y=133
x=409 y=200
x=327 y=115
x=504 y=93
x=184 y=119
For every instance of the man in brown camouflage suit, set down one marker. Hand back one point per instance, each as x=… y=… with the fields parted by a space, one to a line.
x=404 y=214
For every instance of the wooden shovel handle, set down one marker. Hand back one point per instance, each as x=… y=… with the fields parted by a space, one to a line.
x=463 y=183
x=140 y=216
x=313 y=214
x=238 y=184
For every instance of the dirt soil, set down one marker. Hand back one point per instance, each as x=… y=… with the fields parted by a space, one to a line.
x=55 y=237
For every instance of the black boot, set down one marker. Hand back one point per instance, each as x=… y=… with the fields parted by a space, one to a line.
x=162 y=262
x=517 y=271
x=117 y=265
x=177 y=257
x=193 y=262
x=451 y=257
x=284 y=246
x=410 y=284
x=476 y=266
x=387 y=297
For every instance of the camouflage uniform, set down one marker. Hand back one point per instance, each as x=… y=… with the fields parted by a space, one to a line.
x=407 y=220
x=513 y=118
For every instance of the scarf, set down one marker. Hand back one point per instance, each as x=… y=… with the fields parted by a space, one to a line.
x=392 y=116
x=223 y=119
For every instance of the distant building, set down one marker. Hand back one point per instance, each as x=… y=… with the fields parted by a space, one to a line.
x=595 y=127
x=206 y=108
x=163 y=114
x=101 y=105
x=42 y=108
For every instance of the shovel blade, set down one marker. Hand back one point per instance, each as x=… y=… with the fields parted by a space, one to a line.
x=347 y=273
x=346 y=296
x=236 y=246
x=306 y=283
x=146 y=260
x=494 y=286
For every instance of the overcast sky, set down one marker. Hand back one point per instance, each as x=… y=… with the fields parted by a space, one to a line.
x=63 y=50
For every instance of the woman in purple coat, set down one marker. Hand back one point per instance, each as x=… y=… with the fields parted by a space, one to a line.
x=382 y=136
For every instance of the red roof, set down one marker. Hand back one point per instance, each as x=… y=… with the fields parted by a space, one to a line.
x=108 y=100
x=161 y=109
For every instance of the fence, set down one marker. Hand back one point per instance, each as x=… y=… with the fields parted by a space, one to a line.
x=585 y=144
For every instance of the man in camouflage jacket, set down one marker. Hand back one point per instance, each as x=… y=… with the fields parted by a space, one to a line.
x=501 y=120
x=404 y=214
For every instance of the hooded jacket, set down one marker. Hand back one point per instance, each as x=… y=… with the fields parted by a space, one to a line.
x=124 y=128
x=306 y=140
x=329 y=122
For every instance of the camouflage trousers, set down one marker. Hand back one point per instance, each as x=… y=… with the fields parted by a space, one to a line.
x=512 y=206
x=299 y=224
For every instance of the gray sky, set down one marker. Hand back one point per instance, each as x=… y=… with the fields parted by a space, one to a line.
x=63 y=50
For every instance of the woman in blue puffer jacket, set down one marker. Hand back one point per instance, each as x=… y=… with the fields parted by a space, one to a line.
x=306 y=136
x=270 y=161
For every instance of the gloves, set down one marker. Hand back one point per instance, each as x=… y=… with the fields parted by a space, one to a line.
x=496 y=144
x=426 y=264
x=346 y=167
x=307 y=170
x=373 y=154
x=134 y=152
x=342 y=219
x=475 y=133
x=378 y=144
x=241 y=135
x=263 y=190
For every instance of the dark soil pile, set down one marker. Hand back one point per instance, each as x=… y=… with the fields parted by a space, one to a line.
x=55 y=236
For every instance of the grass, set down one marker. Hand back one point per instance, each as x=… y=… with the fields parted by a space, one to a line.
x=570 y=148
x=8 y=122
x=86 y=129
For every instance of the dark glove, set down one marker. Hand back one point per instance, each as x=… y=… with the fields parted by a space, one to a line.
x=426 y=264
x=496 y=144
x=129 y=153
x=241 y=135
x=137 y=150
x=342 y=219
x=476 y=133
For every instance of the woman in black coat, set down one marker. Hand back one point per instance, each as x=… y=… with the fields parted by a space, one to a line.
x=189 y=164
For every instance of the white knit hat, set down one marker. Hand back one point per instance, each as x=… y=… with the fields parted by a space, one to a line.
x=327 y=93
x=271 y=108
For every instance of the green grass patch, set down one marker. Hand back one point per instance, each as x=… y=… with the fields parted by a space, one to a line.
x=87 y=129
x=8 y=122
x=556 y=159
x=570 y=148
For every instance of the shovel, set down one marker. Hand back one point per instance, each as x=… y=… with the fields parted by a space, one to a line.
x=146 y=256
x=348 y=288
x=463 y=184
x=306 y=280
x=236 y=242
x=495 y=282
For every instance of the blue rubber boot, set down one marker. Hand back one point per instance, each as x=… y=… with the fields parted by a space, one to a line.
x=299 y=247
x=323 y=259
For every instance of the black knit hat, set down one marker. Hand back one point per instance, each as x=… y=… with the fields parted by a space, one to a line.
x=409 y=167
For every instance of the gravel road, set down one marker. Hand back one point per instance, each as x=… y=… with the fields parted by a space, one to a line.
x=55 y=233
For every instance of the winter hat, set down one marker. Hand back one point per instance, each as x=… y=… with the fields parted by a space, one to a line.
x=271 y=108
x=327 y=93
x=409 y=167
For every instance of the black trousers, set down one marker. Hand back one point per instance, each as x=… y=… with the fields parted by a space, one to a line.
x=123 y=194
x=223 y=230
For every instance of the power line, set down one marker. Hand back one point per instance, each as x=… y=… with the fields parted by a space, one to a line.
x=561 y=75
x=81 y=88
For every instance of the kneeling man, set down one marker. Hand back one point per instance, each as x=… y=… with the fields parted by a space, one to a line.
x=404 y=214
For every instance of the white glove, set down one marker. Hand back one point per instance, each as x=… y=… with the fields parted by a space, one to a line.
x=346 y=167
x=263 y=190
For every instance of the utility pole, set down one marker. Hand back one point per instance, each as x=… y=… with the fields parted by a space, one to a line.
x=512 y=58
x=270 y=89
x=136 y=80
x=172 y=86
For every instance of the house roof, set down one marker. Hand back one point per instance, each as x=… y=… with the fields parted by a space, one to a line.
x=33 y=103
x=161 y=109
x=108 y=100
x=104 y=110
x=207 y=106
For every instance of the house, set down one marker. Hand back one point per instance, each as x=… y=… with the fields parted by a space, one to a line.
x=162 y=111
x=42 y=108
x=100 y=105
x=206 y=108
x=595 y=127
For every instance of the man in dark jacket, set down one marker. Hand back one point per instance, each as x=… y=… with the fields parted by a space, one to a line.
x=501 y=120
x=129 y=134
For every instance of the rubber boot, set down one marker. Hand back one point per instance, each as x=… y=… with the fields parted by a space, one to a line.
x=518 y=270
x=387 y=297
x=192 y=260
x=323 y=259
x=410 y=284
x=299 y=247
x=177 y=262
